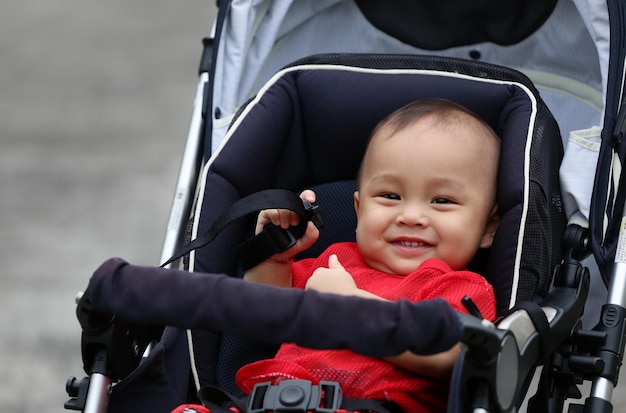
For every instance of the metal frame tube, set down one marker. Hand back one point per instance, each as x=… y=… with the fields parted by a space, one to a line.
x=602 y=387
x=617 y=285
x=98 y=393
x=187 y=178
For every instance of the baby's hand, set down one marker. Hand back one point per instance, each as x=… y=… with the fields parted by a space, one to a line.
x=284 y=219
x=334 y=279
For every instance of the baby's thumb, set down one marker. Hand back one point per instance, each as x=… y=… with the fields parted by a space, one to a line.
x=333 y=262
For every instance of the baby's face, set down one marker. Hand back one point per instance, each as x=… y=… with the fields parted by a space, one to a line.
x=426 y=192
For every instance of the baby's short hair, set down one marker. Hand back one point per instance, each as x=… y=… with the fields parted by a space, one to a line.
x=444 y=112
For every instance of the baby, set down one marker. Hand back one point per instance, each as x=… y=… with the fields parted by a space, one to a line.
x=425 y=204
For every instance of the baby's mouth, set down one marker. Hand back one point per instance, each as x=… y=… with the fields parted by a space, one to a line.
x=410 y=244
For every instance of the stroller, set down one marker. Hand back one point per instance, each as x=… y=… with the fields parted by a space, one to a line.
x=503 y=97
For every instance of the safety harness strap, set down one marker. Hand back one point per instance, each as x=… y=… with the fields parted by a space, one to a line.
x=299 y=396
x=539 y=401
x=272 y=239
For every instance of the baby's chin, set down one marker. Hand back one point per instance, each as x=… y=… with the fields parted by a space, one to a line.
x=398 y=270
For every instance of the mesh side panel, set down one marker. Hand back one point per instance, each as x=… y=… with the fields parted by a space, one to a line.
x=545 y=224
x=535 y=265
x=234 y=354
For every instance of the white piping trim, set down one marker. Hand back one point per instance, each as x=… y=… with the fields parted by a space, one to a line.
x=192 y=360
x=196 y=219
x=192 y=262
x=520 y=236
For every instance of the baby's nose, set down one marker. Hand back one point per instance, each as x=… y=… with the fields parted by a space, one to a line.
x=413 y=214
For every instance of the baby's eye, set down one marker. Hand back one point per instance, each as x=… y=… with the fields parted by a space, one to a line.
x=442 y=200
x=390 y=195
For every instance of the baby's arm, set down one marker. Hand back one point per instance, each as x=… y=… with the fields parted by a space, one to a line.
x=335 y=279
x=276 y=270
x=436 y=365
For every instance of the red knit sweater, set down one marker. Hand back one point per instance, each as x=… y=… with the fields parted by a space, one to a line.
x=368 y=377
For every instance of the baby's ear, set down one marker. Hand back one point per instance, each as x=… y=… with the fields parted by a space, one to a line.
x=490 y=228
x=356 y=201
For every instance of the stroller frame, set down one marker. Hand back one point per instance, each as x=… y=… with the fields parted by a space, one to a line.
x=606 y=344
x=510 y=340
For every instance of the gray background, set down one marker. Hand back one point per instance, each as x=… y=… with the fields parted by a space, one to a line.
x=95 y=99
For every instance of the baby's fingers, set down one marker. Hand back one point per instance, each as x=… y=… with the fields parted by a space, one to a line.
x=280 y=217
x=308 y=195
x=283 y=218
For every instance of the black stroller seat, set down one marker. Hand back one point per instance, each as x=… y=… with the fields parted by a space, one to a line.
x=307 y=128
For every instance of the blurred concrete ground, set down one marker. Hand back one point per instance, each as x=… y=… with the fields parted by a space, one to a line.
x=95 y=99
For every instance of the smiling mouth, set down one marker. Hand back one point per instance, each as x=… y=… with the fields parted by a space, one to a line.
x=413 y=244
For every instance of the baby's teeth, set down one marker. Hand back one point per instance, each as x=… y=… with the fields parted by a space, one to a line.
x=411 y=244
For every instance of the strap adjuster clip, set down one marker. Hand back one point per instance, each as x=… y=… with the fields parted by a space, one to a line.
x=313 y=214
x=281 y=239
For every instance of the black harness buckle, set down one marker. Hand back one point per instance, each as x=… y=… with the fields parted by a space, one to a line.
x=295 y=396
x=313 y=214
